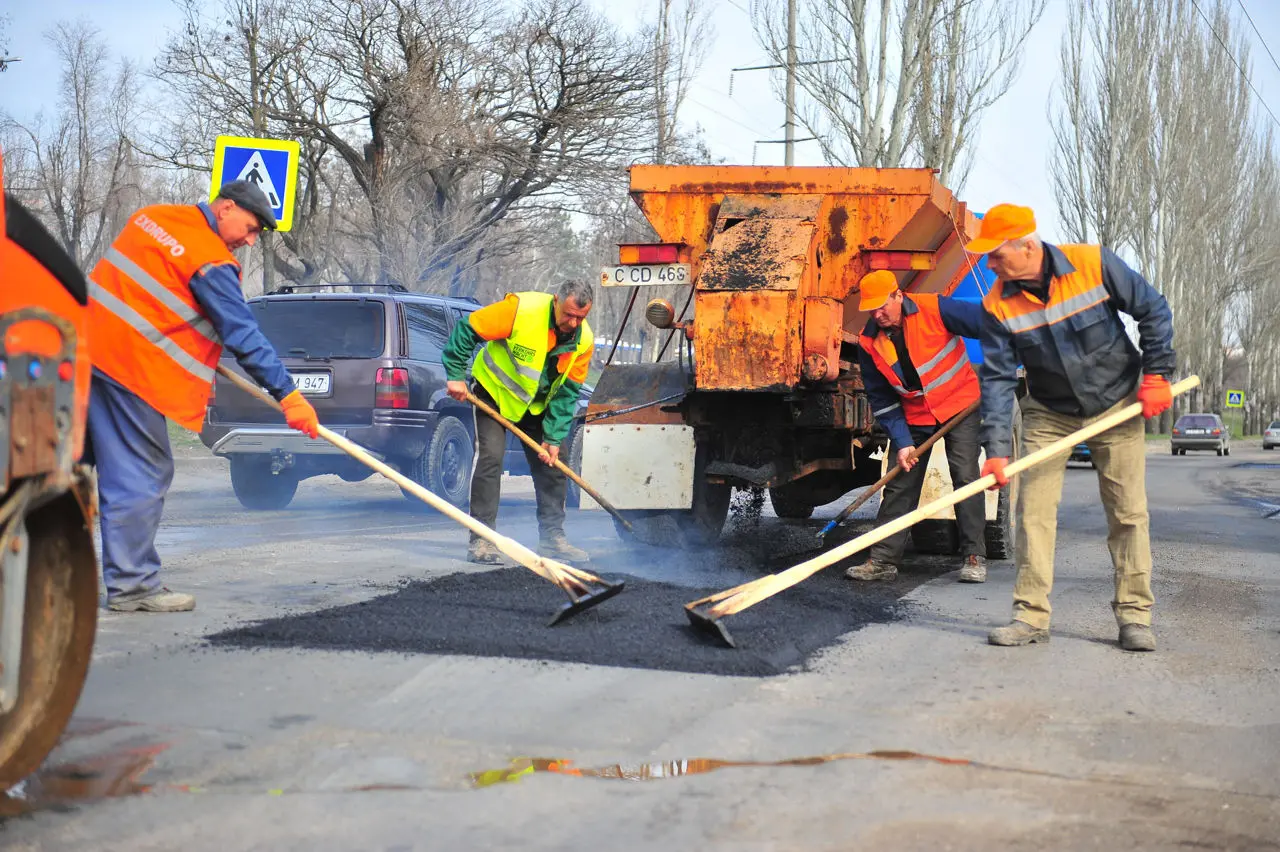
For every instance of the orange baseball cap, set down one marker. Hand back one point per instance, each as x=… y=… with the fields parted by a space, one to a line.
x=1002 y=223
x=876 y=288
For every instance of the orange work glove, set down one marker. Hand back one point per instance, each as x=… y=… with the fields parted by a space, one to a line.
x=1155 y=395
x=995 y=467
x=299 y=414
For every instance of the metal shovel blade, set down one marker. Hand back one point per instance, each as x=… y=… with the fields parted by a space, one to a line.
x=712 y=627
x=586 y=602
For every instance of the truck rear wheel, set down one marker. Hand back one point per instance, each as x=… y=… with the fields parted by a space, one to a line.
x=787 y=506
x=60 y=617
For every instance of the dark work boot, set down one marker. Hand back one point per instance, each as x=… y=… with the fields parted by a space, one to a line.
x=974 y=569
x=482 y=552
x=871 y=570
x=1137 y=637
x=1017 y=633
x=556 y=546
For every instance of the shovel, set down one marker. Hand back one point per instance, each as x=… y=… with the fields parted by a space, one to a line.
x=559 y=465
x=916 y=452
x=735 y=600
x=584 y=590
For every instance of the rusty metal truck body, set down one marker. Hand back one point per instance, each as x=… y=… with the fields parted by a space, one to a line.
x=48 y=573
x=770 y=394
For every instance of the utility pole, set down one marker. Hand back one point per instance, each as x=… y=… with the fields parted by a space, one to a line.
x=790 y=134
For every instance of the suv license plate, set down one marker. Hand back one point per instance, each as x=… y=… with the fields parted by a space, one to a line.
x=311 y=383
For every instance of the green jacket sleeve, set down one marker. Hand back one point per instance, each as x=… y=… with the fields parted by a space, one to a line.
x=559 y=414
x=462 y=344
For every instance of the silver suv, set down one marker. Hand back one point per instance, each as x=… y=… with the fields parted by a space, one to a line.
x=1200 y=432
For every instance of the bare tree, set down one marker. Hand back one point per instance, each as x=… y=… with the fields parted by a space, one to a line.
x=893 y=84
x=1156 y=155
x=681 y=40
x=426 y=122
x=76 y=167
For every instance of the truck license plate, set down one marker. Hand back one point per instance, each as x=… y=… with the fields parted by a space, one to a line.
x=311 y=383
x=648 y=274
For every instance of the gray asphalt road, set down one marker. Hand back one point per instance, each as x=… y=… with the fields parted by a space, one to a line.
x=1073 y=745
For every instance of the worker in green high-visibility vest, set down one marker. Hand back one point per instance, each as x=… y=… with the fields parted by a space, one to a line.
x=537 y=350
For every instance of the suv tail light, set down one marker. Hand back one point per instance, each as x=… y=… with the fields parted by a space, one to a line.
x=392 y=388
x=1217 y=431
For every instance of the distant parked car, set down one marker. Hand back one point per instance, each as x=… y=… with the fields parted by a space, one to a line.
x=1271 y=436
x=1082 y=453
x=1200 y=432
x=368 y=359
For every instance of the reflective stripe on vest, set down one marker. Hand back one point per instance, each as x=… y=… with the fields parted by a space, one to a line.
x=948 y=382
x=513 y=382
x=1069 y=294
x=149 y=332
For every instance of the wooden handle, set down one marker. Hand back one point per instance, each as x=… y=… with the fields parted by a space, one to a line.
x=766 y=587
x=547 y=569
x=561 y=466
x=916 y=452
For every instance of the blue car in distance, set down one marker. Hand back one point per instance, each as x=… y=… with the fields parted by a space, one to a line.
x=1081 y=453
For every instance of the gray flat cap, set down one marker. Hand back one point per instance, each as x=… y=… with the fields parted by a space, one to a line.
x=247 y=195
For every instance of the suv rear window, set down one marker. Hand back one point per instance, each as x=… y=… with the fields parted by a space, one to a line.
x=1197 y=421
x=323 y=328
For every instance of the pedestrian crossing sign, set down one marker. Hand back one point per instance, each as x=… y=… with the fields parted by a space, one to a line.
x=1235 y=399
x=272 y=164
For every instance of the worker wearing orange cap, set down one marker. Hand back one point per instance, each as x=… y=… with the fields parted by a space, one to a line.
x=917 y=375
x=1056 y=311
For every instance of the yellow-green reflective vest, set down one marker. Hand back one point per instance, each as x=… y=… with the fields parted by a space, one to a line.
x=511 y=369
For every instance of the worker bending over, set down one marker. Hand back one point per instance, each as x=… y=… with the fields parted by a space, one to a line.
x=917 y=376
x=1056 y=310
x=536 y=351
x=164 y=301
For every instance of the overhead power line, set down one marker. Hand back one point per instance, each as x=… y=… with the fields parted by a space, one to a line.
x=1261 y=40
x=1235 y=62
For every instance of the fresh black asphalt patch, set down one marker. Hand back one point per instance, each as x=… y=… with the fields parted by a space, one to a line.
x=503 y=613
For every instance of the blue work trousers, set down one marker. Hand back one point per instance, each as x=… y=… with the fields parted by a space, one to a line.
x=128 y=442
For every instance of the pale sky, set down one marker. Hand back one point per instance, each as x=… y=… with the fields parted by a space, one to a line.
x=1011 y=159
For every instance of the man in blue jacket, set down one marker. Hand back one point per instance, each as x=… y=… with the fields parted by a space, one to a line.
x=1056 y=310
x=917 y=376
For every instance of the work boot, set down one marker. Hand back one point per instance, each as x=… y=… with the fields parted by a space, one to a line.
x=161 y=600
x=871 y=570
x=556 y=546
x=482 y=552
x=1018 y=633
x=974 y=569
x=1137 y=637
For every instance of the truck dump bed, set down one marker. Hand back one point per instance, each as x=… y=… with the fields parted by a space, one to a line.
x=777 y=253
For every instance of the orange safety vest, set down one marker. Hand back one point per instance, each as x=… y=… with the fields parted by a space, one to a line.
x=149 y=332
x=948 y=382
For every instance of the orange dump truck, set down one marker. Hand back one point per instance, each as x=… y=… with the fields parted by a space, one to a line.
x=48 y=572
x=766 y=391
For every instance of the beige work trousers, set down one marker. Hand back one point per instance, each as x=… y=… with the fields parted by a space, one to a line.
x=1120 y=455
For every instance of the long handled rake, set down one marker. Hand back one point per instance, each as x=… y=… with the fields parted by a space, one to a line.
x=706 y=613
x=584 y=589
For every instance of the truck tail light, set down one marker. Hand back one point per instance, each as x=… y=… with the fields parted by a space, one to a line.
x=391 y=389
x=634 y=253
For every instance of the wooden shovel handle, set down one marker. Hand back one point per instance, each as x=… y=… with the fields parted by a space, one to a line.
x=547 y=569
x=769 y=585
x=560 y=466
x=916 y=452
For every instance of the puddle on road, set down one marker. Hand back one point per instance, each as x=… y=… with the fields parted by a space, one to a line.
x=104 y=776
x=522 y=767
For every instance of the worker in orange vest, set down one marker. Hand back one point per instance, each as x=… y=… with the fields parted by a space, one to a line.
x=1056 y=310
x=917 y=375
x=164 y=301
